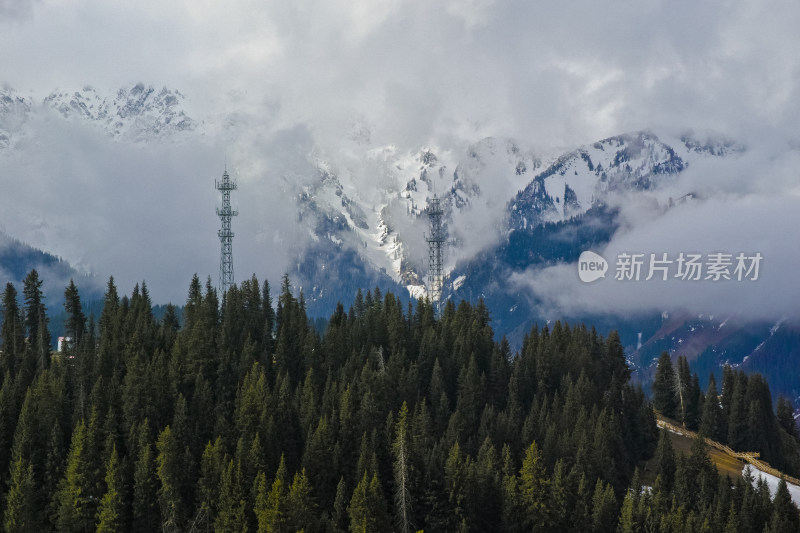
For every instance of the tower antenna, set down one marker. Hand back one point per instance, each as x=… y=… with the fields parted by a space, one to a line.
x=225 y=213
x=435 y=245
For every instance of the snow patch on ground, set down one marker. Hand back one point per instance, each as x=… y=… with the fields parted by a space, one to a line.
x=772 y=482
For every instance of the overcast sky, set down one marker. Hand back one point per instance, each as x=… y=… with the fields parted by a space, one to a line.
x=299 y=75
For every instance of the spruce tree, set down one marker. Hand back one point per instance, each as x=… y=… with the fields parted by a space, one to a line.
x=664 y=387
x=665 y=460
x=12 y=335
x=75 y=509
x=604 y=508
x=301 y=509
x=145 y=484
x=270 y=507
x=402 y=481
x=534 y=486
x=785 y=415
x=712 y=423
x=110 y=513
x=231 y=516
x=22 y=513
x=785 y=515
x=36 y=320
x=171 y=470
x=75 y=325
x=367 y=507
x=339 y=518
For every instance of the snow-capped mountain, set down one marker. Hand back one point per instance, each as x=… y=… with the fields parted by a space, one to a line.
x=493 y=189
x=14 y=112
x=362 y=209
x=387 y=223
x=632 y=162
x=138 y=113
x=373 y=200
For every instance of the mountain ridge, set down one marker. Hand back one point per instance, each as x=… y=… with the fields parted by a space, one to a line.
x=508 y=208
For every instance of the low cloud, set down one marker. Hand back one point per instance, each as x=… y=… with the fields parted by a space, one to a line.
x=756 y=209
x=272 y=82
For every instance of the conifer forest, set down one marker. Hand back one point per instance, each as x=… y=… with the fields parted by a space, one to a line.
x=237 y=413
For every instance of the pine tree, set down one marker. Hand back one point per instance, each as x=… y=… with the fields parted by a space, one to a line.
x=12 y=334
x=212 y=465
x=534 y=485
x=402 y=494
x=712 y=422
x=301 y=509
x=562 y=497
x=21 y=513
x=231 y=516
x=785 y=414
x=604 y=508
x=270 y=508
x=664 y=387
x=75 y=325
x=36 y=320
x=627 y=517
x=785 y=516
x=665 y=460
x=367 y=507
x=109 y=515
x=145 y=484
x=171 y=470
x=75 y=510
x=514 y=512
x=8 y=419
x=737 y=437
x=339 y=518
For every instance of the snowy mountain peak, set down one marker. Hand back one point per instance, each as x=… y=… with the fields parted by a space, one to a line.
x=14 y=111
x=139 y=113
x=379 y=208
x=631 y=162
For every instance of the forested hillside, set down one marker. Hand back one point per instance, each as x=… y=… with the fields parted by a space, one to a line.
x=245 y=418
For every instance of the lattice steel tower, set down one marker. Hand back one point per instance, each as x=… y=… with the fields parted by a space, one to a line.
x=225 y=214
x=435 y=245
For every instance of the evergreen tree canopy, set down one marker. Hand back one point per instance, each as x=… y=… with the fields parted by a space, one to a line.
x=247 y=418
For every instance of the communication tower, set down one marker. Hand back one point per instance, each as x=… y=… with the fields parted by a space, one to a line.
x=225 y=213
x=435 y=244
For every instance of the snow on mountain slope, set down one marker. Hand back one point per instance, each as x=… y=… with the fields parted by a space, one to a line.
x=376 y=201
x=14 y=111
x=387 y=223
x=632 y=162
x=138 y=113
x=373 y=199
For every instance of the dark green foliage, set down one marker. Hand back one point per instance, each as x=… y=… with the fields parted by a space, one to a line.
x=21 y=511
x=367 y=507
x=36 y=321
x=664 y=387
x=75 y=326
x=713 y=422
x=247 y=418
x=665 y=460
x=785 y=414
x=12 y=334
x=110 y=512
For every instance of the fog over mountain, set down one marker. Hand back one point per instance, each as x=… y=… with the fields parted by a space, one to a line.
x=116 y=118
